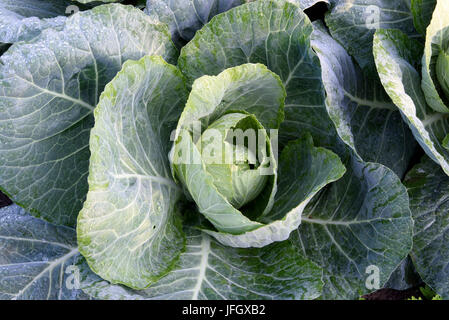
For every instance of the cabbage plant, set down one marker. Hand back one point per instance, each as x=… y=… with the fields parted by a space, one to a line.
x=415 y=75
x=422 y=98
x=211 y=150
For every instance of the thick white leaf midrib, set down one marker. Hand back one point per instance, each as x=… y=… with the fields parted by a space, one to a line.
x=158 y=179
x=205 y=250
x=57 y=94
x=342 y=223
x=337 y=245
x=35 y=240
x=429 y=120
x=375 y=104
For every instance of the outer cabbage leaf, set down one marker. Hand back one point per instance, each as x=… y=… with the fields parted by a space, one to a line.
x=128 y=230
x=276 y=34
x=364 y=115
x=303 y=171
x=25 y=19
x=353 y=23
x=185 y=17
x=283 y=44
x=362 y=220
x=397 y=58
x=306 y=4
x=48 y=90
x=422 y=13
x=36 y=8
x=428 y=187
x=437 y=39
x=209 y=270
x=404 y=277
x=37 y=258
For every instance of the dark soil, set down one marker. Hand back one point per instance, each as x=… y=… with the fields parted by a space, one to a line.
x=4 y=201
x=391 y=294
x=317 y=11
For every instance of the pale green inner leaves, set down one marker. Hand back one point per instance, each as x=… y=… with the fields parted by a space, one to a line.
x=442 y=71
x=249 y=88
x=232 y=158
x=437 y=40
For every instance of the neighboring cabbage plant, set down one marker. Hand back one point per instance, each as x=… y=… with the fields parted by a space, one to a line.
x=428 y=187
x=416 y=77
